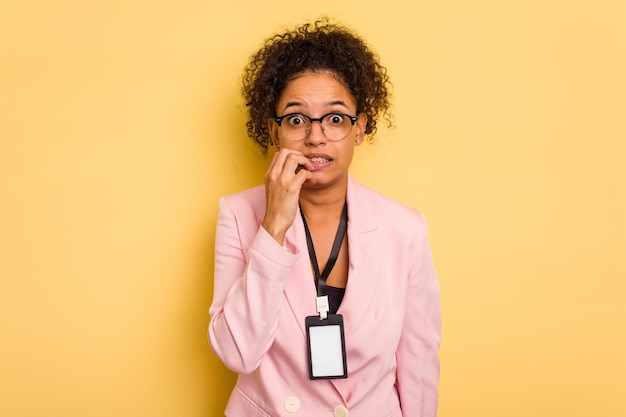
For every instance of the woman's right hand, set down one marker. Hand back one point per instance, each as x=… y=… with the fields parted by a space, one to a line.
x=284 y=178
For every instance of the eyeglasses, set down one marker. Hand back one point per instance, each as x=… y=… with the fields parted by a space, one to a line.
x=336 y=126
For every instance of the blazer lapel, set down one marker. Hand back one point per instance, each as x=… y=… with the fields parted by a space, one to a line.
x=365 y=249
x=300 y=286
x=364 y=246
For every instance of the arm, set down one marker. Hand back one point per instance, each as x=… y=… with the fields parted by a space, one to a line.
x=247 y=295
x=249 y=281
x=417 y=355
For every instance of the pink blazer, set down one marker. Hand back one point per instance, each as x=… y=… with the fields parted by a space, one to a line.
x=264 y=291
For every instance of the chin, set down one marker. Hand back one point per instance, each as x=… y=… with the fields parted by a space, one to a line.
x=320 y=180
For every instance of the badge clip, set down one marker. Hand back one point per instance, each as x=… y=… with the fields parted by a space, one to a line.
x=322 y=306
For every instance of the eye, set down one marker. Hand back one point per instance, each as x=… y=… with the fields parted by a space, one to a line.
x=296 y=120
x=336 y=119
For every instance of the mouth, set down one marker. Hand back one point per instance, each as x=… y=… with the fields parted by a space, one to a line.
x=319 y=161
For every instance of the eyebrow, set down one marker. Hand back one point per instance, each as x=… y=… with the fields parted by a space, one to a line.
x=330 y=103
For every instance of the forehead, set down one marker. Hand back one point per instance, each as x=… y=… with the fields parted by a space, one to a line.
x=315 y=89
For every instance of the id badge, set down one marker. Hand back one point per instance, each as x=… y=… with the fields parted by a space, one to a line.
x=327 y=347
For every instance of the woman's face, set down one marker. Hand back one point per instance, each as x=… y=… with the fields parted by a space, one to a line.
x=315 y=94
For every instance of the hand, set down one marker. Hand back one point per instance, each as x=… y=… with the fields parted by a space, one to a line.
x=287 y=172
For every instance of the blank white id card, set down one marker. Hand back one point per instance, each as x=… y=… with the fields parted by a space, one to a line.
x=327 y=347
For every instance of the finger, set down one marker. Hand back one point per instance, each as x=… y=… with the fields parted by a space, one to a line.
x=291 y=163
x=305 y=162
x=303 y=175
x=285 y=154
x=296 y=161
x=275 y=161
x=277 y=165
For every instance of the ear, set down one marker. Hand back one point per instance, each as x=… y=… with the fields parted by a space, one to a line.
x=360 y=126
x=272 y=128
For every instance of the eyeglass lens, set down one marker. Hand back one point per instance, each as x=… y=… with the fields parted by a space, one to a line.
x=335 y=126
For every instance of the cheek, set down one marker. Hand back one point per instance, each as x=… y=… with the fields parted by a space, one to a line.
x=294 y=146
x=348 y=151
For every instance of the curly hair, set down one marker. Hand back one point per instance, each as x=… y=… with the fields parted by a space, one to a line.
x=321 y=46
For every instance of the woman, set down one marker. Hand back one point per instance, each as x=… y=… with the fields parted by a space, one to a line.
x=314 y=93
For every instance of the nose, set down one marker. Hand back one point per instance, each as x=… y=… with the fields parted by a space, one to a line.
x=315 y=134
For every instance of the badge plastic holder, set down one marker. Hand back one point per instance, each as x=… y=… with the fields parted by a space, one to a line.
x=326 y=347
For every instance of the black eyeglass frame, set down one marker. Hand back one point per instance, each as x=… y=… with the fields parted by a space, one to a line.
x=353 y=120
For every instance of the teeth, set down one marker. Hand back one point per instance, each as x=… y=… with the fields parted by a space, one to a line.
x=317 y=160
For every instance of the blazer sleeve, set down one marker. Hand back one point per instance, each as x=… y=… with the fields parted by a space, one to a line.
x=248 y=288
x=417 y=355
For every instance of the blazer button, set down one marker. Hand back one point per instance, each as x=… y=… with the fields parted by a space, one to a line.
x=292 y=404
x=340 y=411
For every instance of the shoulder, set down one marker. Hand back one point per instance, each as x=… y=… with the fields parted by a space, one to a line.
x=246 y=197
x=249 y=203
x=386 y=210
x=402 y=228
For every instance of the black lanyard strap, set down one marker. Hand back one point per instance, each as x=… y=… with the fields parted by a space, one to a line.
x=320 y=279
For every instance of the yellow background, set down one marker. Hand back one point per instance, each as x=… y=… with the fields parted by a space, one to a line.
x=121 y=126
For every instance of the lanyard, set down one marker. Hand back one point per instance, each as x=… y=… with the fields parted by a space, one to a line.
x=320 y=279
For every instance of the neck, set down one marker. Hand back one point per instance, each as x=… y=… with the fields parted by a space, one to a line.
x=318 y=204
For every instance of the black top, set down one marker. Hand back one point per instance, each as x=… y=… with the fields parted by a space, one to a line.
x=335 y=296
x=320 y=277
